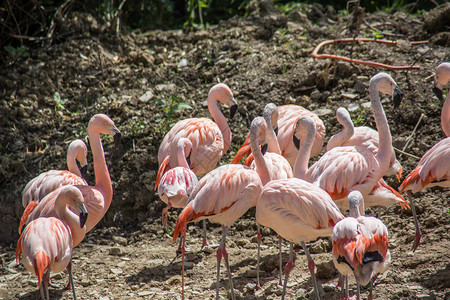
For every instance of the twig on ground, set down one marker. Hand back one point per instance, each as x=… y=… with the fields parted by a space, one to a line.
x=363 y=62
x=409 y=139
x=57 y=13
x=405 y=153
x=382 y=32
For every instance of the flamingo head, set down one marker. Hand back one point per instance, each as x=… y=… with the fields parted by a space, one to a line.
x=385 y=84
x=222 y=93
x=75 y=201
x=79 y=147
x=270 y=114
x=184 y=148
x=441 y=77
x=104 y=125
x=258 y=131
x=303 y=126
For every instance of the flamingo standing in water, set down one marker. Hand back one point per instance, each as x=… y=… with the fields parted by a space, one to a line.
x=361 y=136
x=221 y=196
x=210 y=140
x=177 y=184
x=47 y=243
x=269 y=165
x=287 y=118
x=298 y=210
x=433 y=168
x=360 y=245
x=96 y=198
x=343 y=169
x=46 y=182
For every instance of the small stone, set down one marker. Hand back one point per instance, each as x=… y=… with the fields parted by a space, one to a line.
x=144 y=293
x=85 y=282
x=169 y=87
x=122 y=264
x=326 y=270
x=13 y=264
x=251 y=273
x=323 y=112
x=120 y=240
x=115 y=251
x=32 y=282
x=366 y=105
x=265 y=231
x=353 y=107
x=315 y=95
x=104 y=298
x=174 y=280
x=183 y=63
x=242 y=242
x=56 y=276
x=349 y=96
x=116 y=271
x=251 y=286
x=208 y=250
x=12 y=276
x=147 y=96
x=155 y=262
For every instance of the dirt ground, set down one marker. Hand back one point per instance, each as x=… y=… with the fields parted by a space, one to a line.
x=265 y=57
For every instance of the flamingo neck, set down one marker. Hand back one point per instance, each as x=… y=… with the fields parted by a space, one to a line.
x=272 y=140
x=261 y=166
x=182 y=162
x=221 y=121
x=384 y=134
x=72 y=164
x=342 y=136
x=445 y=116
x=301 y=162
x=69 y=218
x=102 y=179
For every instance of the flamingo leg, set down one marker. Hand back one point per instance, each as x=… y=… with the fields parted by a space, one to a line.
x=205 y=242
x=358 y=291
x=288 y=268
x=416 y=223
x=183 y=253
x=258 y=285
x=222 y=252
x=165 y=213
x=346 y=287
x=70 y=285
x=280 y=244
x=45 y=282
x=311 y=268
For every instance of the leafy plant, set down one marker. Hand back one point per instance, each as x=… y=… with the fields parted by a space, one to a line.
x=137 y=126
x=170 y=109
x=16 y=53
x=59 y=108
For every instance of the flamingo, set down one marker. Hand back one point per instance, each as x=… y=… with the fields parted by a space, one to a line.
x=97 y=198
x=221 y=196
x=433 y=168
x=360 y=245
x=287 y=118
x=381 y=194
x=269 y=165
x=210 y=140
x=177 y=183
x=40 y=186
x=298 y=210
x=360 y=136
x=347 y=168
x=47 y=242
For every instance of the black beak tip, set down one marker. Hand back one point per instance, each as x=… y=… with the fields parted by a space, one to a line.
x=83 y=171
x=83 y=219
x=397 y=97
x=296 y=142
x=188 y=159
x=264 y=149
x=233 y=110
x=276 y=131
x=117 y=139
x=438 y=92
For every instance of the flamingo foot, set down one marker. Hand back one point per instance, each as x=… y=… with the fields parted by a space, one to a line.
x=416 y=241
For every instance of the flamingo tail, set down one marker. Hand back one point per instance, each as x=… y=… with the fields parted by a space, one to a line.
x=19 y=249
x=245 y=150
x=26 y=213
x=41 y=263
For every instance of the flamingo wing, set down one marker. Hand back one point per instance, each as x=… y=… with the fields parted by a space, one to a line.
x=278 y=166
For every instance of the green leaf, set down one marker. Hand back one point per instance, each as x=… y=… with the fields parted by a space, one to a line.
x=10 y=49
x=183 y=105
x=160 y=102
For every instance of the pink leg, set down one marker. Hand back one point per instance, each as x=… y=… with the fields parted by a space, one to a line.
x=311 y=268
x=183 y=253
x=416 y=223
x=280 y=244
x=205 y=242
x=258 y=285
x=222 y=252
x=288 y=268
x=165 y=213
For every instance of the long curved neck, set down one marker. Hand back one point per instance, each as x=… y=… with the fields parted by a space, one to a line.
x=221 y=121
x=182 y=162
x=384 y=134
x=272 y=141
x=102 y=179
x=72 y=165
x=301 y=162
x=342 y=136
x=445 y=116
x=66 y=215
x=261 y=166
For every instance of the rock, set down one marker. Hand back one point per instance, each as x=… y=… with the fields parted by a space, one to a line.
x=142 y=57
x=323 y=112
x=315 y=95
x=13 y=264
x=242 y=242
x=326 y=270
x=183 y=63
x=155 y=262
x=120 y=240
x=115 y=251
x=116 y=271
x=353 y=107
x=146 y=97
x=349 y=96
x=144 y=293
x=169 y=87
x=208 y=250
x=56 y=276
x=85 y=282
x=251 y=273
x=265 y=231
x=251 y=286
x=174 y=280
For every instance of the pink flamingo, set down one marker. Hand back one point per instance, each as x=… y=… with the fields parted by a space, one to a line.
x=46 y=182
x=360 y=245
x=433 y=168
x=47 y=242
x=298 y=210
x=221 y=196
x=381 y=194
x=97 y=198
x=269 y=165
x=210 y=141
x=177 y=184
x=287 y=118
x=361 y=136
x=343 y=169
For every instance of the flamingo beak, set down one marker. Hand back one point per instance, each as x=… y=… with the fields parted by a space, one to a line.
x=276 y=130
x=117 y=136
x=83 y=215
x=188 y=159
x=438 y=92
x=296 y=142
x=397 y=97
x=233 y=110
x=264 y=148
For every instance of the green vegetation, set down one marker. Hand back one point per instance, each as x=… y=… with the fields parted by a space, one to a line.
x=170 y=109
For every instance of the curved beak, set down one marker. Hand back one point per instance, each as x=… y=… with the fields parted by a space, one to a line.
x=397 y=96
x=83 y=215
x=117 y=136
x=296 y=142
x=438 y=92
x=264 y=148
x=233 y=110
x=188 y=159
x=276 y=130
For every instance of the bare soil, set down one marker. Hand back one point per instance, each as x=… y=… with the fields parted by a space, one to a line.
x=265 y=57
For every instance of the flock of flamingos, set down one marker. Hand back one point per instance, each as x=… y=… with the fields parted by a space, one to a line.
x=300 y=203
